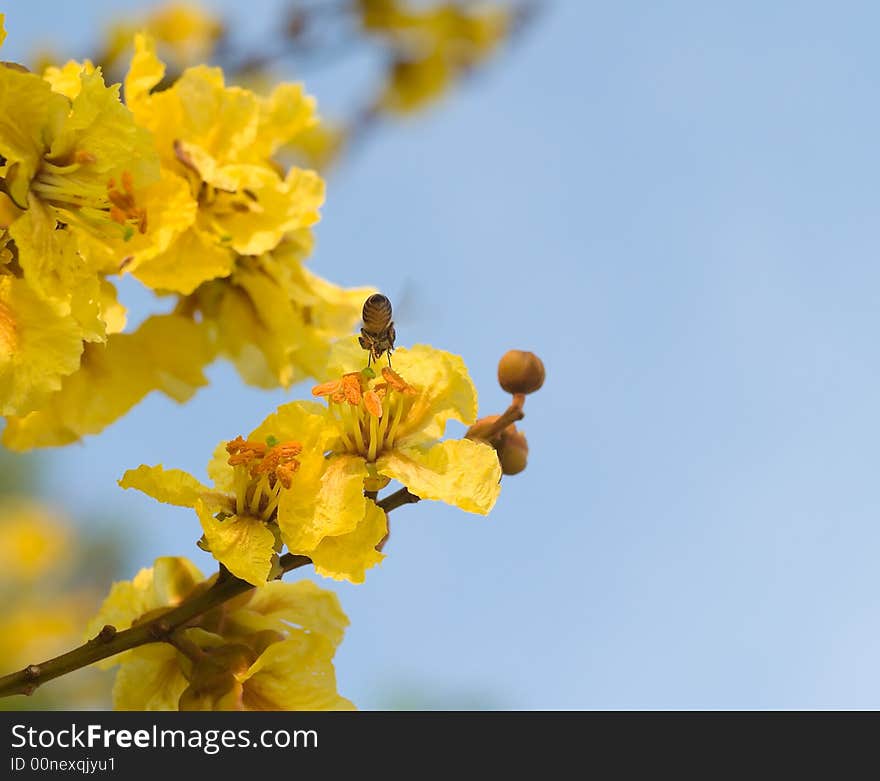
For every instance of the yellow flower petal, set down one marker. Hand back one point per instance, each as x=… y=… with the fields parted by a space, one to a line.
x=145 y=72
x=66 y=79
x=446 y=389
x=300 y=421
x=278 y=605
x=171 y=210
x=38 y=347
x=349 y=556
x=191 y=259
x=458 y=471
x=166 y=353
x=286 y=113
x=327 y=499
x=294 y=674
x=166 y=584
x=99 y=126
x=171 y=486
x=30 y=112
x=279 y=206
x=150 y=679
x=219 y=470
x=244 y=545
x=55 y=269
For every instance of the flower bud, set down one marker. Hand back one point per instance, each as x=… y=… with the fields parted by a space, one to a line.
x=520 y=371
x=513 y=451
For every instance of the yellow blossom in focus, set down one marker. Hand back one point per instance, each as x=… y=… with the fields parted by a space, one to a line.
x=261 y=483
x=270 y=649
x=393 y=423
x=76 y=162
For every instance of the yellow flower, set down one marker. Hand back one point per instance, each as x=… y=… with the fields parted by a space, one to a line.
x=219 y=141
x=75 y=162
x=274 y=318
x=33 y=541
x=262 y=487
x=270 y=649
x=432 y=45
x=393 y=424
x=167 y=353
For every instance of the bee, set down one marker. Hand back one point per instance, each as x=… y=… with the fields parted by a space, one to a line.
x=377 y=335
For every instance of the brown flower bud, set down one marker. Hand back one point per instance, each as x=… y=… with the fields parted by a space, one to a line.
x=513 y=451
x=520 y=371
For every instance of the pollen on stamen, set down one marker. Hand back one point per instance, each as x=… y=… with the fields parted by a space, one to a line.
x=327 y=388
x=83 y=158
x=373 y=403
x=242 y=451
x=396 y=381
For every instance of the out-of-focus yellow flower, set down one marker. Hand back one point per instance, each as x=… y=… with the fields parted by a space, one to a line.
x=43 y=613
x=167 y=353
x=33 y=541
x=320 y=145
x=185 y=32
x=271 y=649
x=432 y=45
x=393 y=424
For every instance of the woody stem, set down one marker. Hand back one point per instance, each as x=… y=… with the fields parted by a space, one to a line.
x=109 y=641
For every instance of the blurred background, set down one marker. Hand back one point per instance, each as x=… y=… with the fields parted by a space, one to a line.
x=676 y=206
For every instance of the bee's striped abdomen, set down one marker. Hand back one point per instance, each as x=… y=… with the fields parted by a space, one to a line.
x=376 y=313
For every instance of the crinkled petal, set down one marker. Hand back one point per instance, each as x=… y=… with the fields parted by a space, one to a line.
x=66 y=79
x=167 y=353
x=171 y=486
x=101 y=126
x=294 y=674
x=327 y=499
x=458 y=471
x=446 y=389
x=192 y=258
x=349 y=556
x=38 y=347
x=56 y=270
x=145 y=72
x=243 y=544
x=30 y=113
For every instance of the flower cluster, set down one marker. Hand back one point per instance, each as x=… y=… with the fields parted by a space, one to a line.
x=306 y=477
x=271 y=649
x=179 y=188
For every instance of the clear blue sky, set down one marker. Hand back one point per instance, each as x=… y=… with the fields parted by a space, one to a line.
x=676 y=205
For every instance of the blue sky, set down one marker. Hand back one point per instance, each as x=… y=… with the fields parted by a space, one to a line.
x=676 y=205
